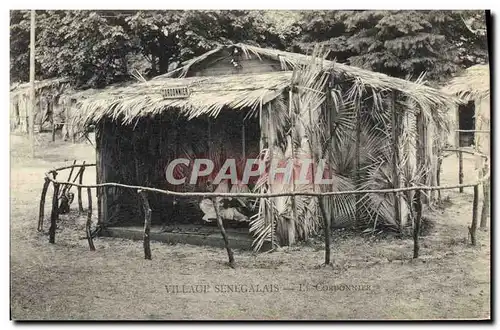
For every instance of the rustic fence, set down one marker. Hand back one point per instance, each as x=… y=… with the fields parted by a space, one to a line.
x=462 y=151
x=61 y=186
x=485 y=170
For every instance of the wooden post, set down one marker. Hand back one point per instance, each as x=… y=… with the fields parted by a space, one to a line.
x=147 y=224
x=357 y=159
x=243 y=140
x=32 y=86
x=54 y=214
x=220 y=224
x=98 y=137
x=89 y=221
x=473 y=227
x=292 y=134
x=42 y=204
x=263 y=137
x=460 y=170
x=73 y=135
x=41 y=102
x=53 y=129
x=270 y=146
x=438 y=174
x=264 y=141
x=71 y=171
x=395 y=156
x=66 y=187
x=80 y=181
x=418 y=220
x=327 y=226
x=486 y=199
x=420 y=144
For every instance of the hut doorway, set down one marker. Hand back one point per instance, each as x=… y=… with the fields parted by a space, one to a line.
x=466 y=121
x=140 y=156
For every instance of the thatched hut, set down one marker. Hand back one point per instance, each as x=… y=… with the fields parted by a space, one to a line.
x=47 y=94
x=55 y=105
x=473 y=113
x=240 y=101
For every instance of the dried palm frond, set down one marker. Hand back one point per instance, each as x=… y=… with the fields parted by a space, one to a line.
x=472 y=84
x=207 y=97
x=290 y=61
x=309 y=82
x=138 y=76
x=40 y=86
x=212 y=94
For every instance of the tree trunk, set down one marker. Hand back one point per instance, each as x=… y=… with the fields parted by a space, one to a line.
x=153 y=72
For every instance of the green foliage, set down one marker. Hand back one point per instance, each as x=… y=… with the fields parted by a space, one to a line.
x=398 y=43
x=155 y=35
x=167 y=37
x=82 y=45
x=78 y=44
x=96 y=48
x=19 y=45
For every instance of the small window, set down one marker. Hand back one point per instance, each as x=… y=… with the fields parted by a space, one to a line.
x=466 y=121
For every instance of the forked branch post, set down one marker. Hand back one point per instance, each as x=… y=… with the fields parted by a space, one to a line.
x=473 y=227
x=45 y=187
x=147 y=223
x=89 y=221
x=54 y=214
x=220 y=224
x=418 y=221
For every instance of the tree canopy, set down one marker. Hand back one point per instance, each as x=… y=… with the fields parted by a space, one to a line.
x=96 y=48
x=399 y=43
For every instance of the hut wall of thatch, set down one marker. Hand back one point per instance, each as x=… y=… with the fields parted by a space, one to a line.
x=473 y=89
x=483 y=122
x=47 y=93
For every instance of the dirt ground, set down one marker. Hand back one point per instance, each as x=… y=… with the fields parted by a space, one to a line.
x=372 y=277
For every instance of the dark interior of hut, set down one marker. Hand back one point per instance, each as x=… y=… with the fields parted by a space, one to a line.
x=466 y=118
x=130 y=155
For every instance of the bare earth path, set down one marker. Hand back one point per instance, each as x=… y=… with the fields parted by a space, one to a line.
x=67 y=281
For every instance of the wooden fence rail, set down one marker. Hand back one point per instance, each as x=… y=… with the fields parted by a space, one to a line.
x=270 y=195
x=475 y=153
x=51 y=177
x=471 y=131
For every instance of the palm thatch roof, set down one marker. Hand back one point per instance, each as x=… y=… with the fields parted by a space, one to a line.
x=40 y=85
x=210 y=94
x=472 y=84
x=419 y=92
